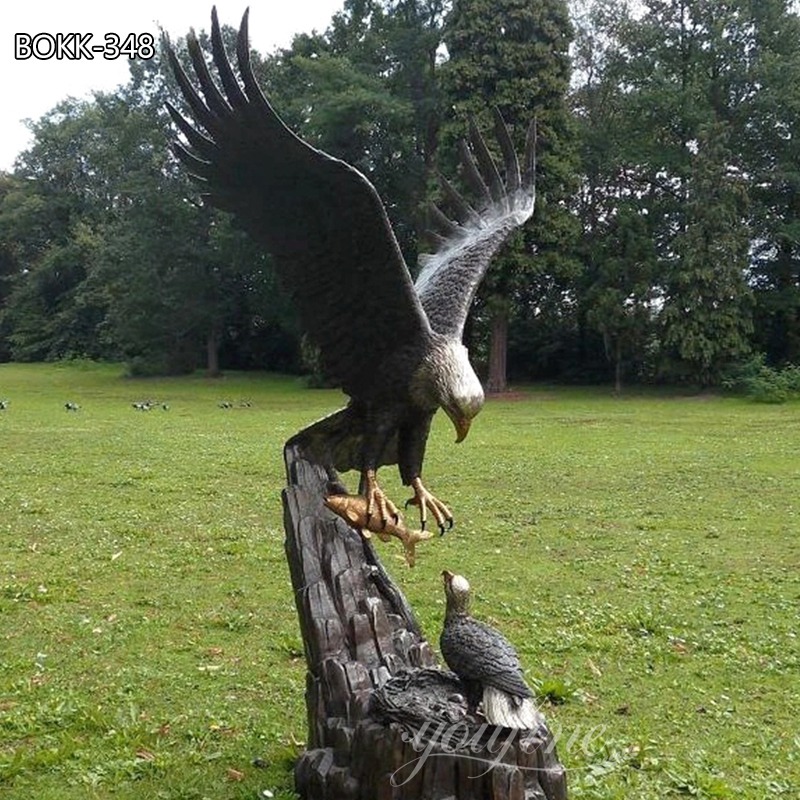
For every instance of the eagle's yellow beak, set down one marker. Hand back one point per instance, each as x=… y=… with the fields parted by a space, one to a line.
x=461 y=424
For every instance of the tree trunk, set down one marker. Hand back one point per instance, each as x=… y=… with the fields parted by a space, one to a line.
x=376 y=705
x=212 y=353
x=498 y=349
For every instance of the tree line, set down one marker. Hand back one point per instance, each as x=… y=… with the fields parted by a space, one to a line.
x=665 y=245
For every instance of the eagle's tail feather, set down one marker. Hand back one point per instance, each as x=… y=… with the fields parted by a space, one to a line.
x=501 y=708
x=337 y=441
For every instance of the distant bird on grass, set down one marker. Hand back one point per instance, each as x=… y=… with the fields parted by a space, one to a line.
x=69 y=406
x=147 y=405
x=485 y=661
x=3 y=405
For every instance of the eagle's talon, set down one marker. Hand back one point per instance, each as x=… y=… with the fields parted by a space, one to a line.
x=379 y=507
x=425 y=500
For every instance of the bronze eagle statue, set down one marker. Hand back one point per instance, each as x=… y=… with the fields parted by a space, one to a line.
x=485 y=662
x=393 y=344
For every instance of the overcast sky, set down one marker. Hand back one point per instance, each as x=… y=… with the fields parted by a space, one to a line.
x=29 y=88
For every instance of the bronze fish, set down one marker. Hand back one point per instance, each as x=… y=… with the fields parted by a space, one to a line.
x=352 y=508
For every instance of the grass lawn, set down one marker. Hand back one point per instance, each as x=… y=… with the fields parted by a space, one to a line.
x=643 y=554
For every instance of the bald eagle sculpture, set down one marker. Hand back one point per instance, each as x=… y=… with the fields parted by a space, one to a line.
x=392 y=344
x=485 y=662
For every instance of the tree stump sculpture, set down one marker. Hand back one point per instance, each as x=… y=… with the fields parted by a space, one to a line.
x=383 y=721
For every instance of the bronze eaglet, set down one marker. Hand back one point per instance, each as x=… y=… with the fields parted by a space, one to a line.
x=485 y=662
x=392 y=344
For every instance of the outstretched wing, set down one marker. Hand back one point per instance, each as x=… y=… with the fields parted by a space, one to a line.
x=320 y=219
x=450 y=277
x=475 y=651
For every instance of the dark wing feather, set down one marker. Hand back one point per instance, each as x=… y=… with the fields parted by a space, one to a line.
x=478 y=652
x=450 y=277
x=319 y=218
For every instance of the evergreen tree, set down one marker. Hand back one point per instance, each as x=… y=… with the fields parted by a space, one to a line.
x=513 y=54
x=706 y=316
x=621 y=300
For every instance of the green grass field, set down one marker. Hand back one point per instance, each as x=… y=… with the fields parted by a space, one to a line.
x=642 y=553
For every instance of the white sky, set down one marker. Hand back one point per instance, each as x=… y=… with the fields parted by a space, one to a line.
x=30 y=88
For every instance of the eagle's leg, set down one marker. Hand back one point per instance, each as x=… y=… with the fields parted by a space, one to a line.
x=474 y=696
x=425 y=500
x=377 y=502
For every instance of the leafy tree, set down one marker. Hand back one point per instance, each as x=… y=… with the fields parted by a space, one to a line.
x=688 y=77
x=148 y=270
x=615 y=293
x=415 y=29
x=8 y=258
x=366 y=91
x=669 y=87
x=49 y=222
x=110 y=258
x=771 y=114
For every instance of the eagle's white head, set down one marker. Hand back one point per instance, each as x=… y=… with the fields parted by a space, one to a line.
x=456 y=590
x=447 y=380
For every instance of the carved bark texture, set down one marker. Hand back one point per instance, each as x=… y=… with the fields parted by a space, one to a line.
x=374 y=700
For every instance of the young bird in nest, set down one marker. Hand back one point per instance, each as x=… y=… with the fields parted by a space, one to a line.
x=485 y=661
